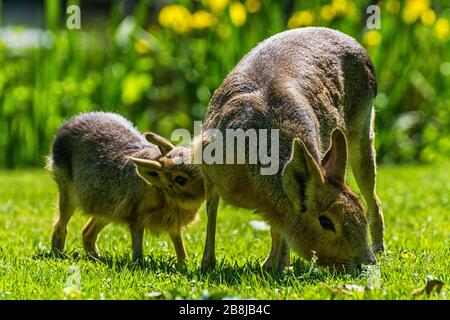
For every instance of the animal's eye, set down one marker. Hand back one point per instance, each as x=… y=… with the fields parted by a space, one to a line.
x=153 y=174
x=181 y=180
x=326 y=223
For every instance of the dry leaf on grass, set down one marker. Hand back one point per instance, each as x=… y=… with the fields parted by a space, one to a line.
x=406 y=255
x=429 y=287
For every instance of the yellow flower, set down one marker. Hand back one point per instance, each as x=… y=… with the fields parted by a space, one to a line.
x=202 y=19
x=393 y=6
x=327 y=13
x=301 y=19
x=238 y=14
x=428 y=17
x=352 y=11
x=413 y=10
x=141 y=46
x=442 y=29
x=372 y=38
x=216 y=6
x=407 y=255
x=253 y=6
x=175 y=17
x=339 y=6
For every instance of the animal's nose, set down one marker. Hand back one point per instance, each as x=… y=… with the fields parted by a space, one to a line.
x=370 y=259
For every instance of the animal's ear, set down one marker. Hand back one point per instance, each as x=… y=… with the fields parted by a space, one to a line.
x=301 y=169
x=149 y=170
x=334 y=162
x=164 y=145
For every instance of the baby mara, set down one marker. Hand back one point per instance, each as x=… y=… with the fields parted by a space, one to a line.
x=104 y=166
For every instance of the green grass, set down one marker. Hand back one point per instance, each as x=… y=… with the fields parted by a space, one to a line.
x=416 y=205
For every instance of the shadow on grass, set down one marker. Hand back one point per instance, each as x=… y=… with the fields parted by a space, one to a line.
x=47 y=255
x=234 y=274
x=225 y=273
x=118 y=263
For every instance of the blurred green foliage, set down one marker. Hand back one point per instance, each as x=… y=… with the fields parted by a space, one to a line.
x=160 y=68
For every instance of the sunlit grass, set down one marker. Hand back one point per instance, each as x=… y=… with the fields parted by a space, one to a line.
x=416 y=205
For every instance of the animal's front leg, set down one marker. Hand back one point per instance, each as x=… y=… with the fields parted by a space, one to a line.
x=279 y=256
x=137 y=235
x=212 y=203
x=179 y=246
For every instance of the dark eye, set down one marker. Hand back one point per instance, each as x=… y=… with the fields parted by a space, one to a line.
x=326 y=223
x=153 y=174
x=181 y=180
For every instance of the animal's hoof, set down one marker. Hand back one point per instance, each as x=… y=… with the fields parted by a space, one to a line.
x=94 y=255
x=56 y=253
x=378 y=248
x=273 y=266
x=182 y=261
x=269 y=264
x=208 y=264
x=137 y=259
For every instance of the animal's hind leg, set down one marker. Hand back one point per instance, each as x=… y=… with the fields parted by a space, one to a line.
x=90 y=234
x=66 y=208
x=363 y=163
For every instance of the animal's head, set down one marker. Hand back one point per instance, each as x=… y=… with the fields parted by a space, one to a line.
x=331 y=219
x=172 y=170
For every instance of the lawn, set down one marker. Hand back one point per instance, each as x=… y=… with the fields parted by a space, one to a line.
x=417 y=212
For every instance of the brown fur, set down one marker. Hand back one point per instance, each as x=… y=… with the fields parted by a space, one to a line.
x=101 y=164
x=306 y=83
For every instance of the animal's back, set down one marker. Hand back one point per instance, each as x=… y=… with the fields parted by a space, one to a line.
x=293 y=80
x=304 y=82
x=89 y=152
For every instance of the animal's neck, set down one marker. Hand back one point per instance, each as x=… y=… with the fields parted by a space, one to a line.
x=275 y=206
x=174 y=201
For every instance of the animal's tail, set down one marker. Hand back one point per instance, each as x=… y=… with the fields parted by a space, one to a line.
x=60 y=157
x=49 y=163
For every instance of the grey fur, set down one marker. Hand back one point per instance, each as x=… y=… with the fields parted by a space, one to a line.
x=305 y=82
x=92 y=162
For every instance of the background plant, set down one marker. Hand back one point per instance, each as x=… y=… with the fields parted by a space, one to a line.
x=160 y=65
